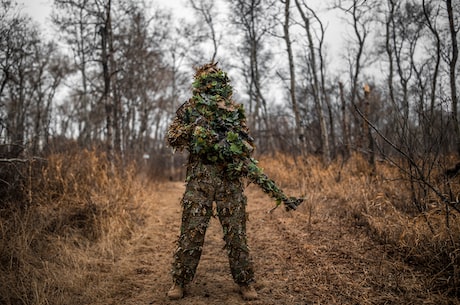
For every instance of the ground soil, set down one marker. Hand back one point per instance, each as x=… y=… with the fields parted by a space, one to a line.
x=314 y=255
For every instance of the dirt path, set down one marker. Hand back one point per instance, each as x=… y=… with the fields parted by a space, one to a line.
x=311 y=256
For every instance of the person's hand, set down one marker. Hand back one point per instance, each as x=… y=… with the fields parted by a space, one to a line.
x=292 y=203
x=180 y=112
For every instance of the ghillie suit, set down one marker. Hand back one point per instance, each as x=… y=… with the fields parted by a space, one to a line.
x=212 y=127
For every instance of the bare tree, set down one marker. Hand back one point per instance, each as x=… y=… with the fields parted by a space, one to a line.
x=440 y=19
x=145 y=80
x=31 y=72
x=344 y=123
x=19 y=77
x=430 y=14
x=452 y=61
x=105 y=31
x=361 y=20
x=299 y=134
x=253 y=19
x=10 y=22
x=207 y=10
x=76 y=23
x=50 y=69
x=403 y=28
x=317 y=72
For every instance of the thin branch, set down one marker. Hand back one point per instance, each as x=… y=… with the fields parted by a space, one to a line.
x=13 y=160
x=421 y=176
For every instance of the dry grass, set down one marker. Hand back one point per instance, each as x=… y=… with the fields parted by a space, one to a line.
x=381 y=203
x=76 y=217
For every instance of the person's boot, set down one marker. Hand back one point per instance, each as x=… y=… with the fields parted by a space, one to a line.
x=176 y=292
x=248 y=292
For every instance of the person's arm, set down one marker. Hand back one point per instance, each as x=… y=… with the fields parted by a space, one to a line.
x=179 y=132
x=248 y=141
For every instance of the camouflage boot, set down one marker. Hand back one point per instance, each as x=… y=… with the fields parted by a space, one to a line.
x=248 y=292
x=176 y=292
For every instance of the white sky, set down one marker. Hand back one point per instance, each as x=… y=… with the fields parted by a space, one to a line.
x=40 y=10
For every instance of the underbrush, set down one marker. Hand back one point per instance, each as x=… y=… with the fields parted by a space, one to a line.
x=382 y=203
x=65 y=220
x=70 y=220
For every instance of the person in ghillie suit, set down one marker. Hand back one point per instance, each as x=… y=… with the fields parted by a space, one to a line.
x=212 y=128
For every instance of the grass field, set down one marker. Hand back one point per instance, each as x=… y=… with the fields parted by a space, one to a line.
x=76 y=231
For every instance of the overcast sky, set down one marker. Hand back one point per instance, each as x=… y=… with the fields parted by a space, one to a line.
x=40 y=10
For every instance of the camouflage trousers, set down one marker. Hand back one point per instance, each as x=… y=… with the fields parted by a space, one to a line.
x=206 y=185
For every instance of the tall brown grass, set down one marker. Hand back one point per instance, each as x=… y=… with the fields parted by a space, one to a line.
x=75 y=216
x=72 y=214
x=381 y=202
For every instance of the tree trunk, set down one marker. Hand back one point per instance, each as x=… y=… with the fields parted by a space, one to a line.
x=317 y=96
x=116 y=104
x=299 y=135
x=434 y=79
x=452 y=70
x=368 y=131
x=345 y=124
x=104 y=31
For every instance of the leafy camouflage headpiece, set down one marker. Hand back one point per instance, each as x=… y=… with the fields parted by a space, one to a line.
x=220 y=132
x=209 y=79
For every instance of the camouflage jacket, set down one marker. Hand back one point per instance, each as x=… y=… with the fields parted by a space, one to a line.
x=210 y=137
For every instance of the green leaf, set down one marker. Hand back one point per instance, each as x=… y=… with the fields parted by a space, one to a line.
x=235 y=149
x=232 y=136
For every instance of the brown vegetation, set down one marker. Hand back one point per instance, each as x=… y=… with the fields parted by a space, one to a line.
x=382 y=205
x=83 y=233
x=73 y=213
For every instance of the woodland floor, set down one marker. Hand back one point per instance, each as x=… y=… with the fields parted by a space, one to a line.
x=314 y=255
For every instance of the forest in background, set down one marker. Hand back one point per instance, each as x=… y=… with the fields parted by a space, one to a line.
x=114 y=72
